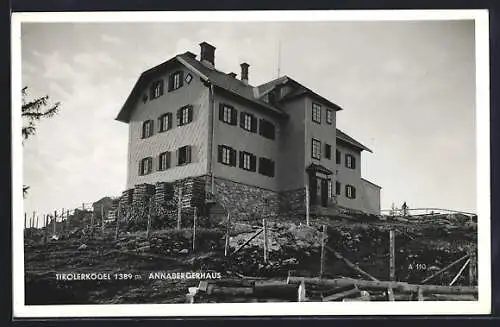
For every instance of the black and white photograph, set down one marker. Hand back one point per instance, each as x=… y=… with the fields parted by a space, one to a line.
x=251 y=163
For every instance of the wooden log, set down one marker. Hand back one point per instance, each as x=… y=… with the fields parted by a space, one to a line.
x=460 y=272
x=392 y=256
x=350 y=264
x=231 y=282
x=248 y=241
x=452 y=297
x=264 y=227
x=225 y=290
x=444 y=269
x=353 y=292
x=322 y=259
x=383 y=285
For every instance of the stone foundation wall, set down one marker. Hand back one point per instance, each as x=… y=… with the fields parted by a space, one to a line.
x=293 y=202
x=247 y=202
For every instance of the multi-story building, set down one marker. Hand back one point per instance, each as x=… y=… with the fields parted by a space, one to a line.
x=258 y=148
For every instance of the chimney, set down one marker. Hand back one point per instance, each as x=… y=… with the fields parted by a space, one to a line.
x=207 y=55
x=233 y=75
x=244 y=72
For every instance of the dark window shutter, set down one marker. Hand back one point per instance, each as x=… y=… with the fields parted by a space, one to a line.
x=190 y=113
x=232 y=157
x=353 y=189
x=234 y=116
x=140 y=167
x=346 y=192
x=254 y=124
x=178 y=156
x=181 y=77
x=242 y=161
x=150 y=162
x=261 y=165
x=188 y=153
x=179 y=116
x=159 y=162
x=353 y=160
x=253 y=163
x=346 y=160
x=151 y=127
x=261 y=127
x=271 y=131
x=160 y=124
x=170 y=82
x=221 y=112
x=169 y=120
x=337 y=156
x=219 y=153
x=168 y=160
x=271 y=168
x=161 y=87
x=242 y=120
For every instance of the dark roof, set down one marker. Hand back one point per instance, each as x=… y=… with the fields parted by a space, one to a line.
x=343 y=137
x=300 y=90
x=219 y=79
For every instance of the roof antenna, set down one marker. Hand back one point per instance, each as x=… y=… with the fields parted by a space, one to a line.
x=279 y=58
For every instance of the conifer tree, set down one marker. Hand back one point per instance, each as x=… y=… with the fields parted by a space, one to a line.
x=33 y=111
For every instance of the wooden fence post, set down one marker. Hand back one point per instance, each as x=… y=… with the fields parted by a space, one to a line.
x=228 y=228
x=179 y=207
x=307 y=205
x=46 y=230
x=264 y=227
x=92 y=224
x=322 y=263
x=37 y=221
x=25 y=216
x=392 y=256
x=117 y=220
x=55 y=221
x=194 y=228
x=33 y=219
x=102 y=218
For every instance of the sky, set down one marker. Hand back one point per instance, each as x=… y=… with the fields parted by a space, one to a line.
x=407 y=89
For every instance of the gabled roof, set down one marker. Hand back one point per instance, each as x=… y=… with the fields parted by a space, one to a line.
x=343 y=137
x=299 y=91
x=219 y=79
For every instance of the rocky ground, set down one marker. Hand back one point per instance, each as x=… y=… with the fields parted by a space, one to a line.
x=423 y=245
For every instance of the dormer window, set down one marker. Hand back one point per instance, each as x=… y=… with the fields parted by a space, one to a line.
x=175 y=81
x=156 y=89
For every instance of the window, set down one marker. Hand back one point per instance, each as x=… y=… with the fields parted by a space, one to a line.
x=248 y=161
x=184 y=115
x=184 y=155
x=329 y=116
x=164 y=161
x=147 y=129
x=165 y=122
x=226 y=155
x=337 y=157
x=316 y=149
x=248 y=122
x=175 y=81
x=316 y=113
x=188 y=78
x=350 y=161
x=267 y=129
x=350 y=191
x=156 y=89
x=228 y=114
x=328 y=151
x=330 y=190
x=266 y=167
x=338 y=187
x=146 y=166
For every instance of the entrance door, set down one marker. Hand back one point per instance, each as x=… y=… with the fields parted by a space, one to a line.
x=313 y=186
x=324 y=192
